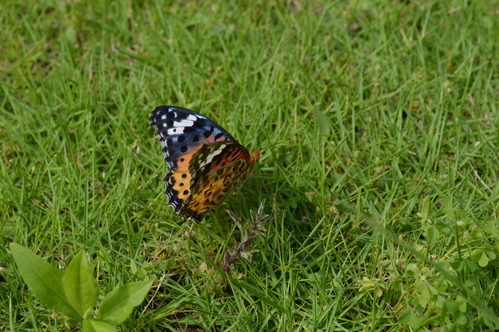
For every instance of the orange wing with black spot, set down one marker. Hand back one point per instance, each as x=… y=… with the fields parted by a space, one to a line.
x=204 y=162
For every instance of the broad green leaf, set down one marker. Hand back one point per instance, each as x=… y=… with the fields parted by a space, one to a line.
x=451 y=306
x=425 y=224
x=432 y=289
x=469 y=282
x=471 y=266
x=79 y=285
x=460 y=318
x=419 y=310
x=410 y=318
x=476 y=233
x=490 y=255
x=461 y=300
x=117 y=305
x=412 y=269
x=133 y=267
x=70 y=35
x=367 y=284
x=483 y=260
x=491 y=228
x=93 y=325
x=439 y=302
x=462 y=214
x=460 y=200
x=433 y=234
x=43 y=280
x=457 y=264
x=421 y=301
x=447 y=204
x=425 y=211
x=422 y=288
x=442 y=226
x=336 y=283
x=322 y=121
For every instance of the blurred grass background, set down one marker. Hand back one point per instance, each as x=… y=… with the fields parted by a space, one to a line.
x=383 y=204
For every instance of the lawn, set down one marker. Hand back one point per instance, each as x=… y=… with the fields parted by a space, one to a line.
x=376 y=194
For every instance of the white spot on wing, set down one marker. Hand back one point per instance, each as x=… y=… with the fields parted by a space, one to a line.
x=173 y=131
x=184 y=123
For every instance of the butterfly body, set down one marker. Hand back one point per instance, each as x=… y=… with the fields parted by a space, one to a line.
x=204 y=162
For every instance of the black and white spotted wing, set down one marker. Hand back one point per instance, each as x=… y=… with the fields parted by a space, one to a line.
x=182 y=133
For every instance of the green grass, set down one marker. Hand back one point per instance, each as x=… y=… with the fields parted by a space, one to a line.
x=384 y=202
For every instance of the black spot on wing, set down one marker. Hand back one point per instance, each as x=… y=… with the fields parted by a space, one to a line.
x=208 y=132
x=173 y=199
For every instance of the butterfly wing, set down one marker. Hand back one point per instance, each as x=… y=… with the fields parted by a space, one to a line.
x=182 y=133
x=216 y=170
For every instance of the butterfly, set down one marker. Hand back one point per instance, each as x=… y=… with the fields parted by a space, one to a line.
x=204 y=162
